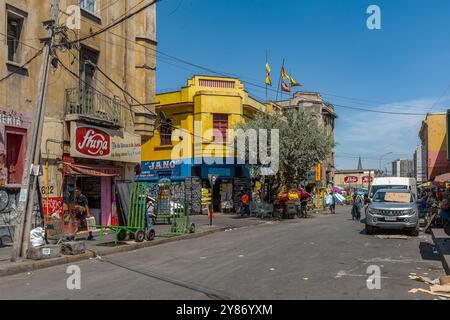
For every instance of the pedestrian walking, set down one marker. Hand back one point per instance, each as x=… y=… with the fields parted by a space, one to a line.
x=358 y=208
x=330 y=202
x=245 y=210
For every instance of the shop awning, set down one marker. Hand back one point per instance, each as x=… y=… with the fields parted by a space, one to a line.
x=443 y=178
x=72 y=169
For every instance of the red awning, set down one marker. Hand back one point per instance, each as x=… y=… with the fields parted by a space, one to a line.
x=443 y=178
x=72 y=169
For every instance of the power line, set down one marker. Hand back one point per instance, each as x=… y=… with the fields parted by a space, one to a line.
x=115 y=23
x=23 y=42
x=23 y=65
x=379 y=111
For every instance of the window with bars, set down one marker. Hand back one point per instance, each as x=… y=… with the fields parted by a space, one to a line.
x=14 y=30
x=166 y=133
x=89 y=5
x=220 y=123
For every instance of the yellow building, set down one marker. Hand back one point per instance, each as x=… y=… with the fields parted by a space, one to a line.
x=433 y=135
x=199 y=117
x=81 y=105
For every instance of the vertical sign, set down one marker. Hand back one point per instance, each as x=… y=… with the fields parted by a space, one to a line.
x=319 y=172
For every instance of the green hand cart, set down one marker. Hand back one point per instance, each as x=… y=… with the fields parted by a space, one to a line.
x=139 y=226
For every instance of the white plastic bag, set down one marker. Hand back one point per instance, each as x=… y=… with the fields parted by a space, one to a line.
x=37 y=237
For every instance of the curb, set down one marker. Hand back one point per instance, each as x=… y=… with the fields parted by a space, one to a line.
x=438 y=241
x=42 y=264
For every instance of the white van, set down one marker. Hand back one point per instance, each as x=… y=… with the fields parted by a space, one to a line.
x=393 y=183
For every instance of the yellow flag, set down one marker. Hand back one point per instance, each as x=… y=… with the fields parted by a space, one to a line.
x=268 y=80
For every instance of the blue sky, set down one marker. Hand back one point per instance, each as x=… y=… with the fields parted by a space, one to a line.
x=404 y=67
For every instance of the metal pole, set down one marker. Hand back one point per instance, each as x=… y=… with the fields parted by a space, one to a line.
x=33 y=158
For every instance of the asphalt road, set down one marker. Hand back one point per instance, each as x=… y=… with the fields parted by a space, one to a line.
x=324 y=257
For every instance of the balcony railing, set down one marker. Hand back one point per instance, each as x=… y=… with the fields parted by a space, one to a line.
x=92 y=105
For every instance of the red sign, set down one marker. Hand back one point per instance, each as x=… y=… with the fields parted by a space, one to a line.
x=55 y=204
x=92 y=142
x=351 y=179
x=367 y=179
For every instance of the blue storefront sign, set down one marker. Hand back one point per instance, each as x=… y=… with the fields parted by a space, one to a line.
x=183 y=168
x=161 y=169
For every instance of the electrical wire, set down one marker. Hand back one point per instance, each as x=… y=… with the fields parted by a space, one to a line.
x=19 y=68
x=115 y=23
x=379 y=111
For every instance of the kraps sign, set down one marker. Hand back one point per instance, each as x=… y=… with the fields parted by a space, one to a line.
x=92 y=142
x=351 y=179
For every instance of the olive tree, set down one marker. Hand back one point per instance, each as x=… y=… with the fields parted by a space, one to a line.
x=303 y=143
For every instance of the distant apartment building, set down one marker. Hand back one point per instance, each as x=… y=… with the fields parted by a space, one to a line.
x=403 y=168
x=420 y=167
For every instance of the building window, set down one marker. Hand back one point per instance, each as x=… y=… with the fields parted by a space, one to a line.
x=166 y=133
x=220 y=123
x=87 y=70
x=14 y=31
x=89 y=5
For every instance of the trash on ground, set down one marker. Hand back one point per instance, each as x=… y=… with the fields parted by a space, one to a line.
x=397 y=237
x=441 y=294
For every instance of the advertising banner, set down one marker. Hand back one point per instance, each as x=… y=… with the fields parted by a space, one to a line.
x=87 y=141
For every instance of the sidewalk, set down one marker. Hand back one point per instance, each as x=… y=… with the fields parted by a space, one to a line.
x=442 y=242
x=107 y=246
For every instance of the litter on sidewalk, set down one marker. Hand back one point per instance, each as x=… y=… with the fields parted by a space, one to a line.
x=438 y=287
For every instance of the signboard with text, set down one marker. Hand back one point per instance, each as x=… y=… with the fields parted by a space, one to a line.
x=87 y=141
x=351 y=179
x=367 y=179
x=55 y=204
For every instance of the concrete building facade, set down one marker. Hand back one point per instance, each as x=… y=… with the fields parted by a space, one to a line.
x=82 y=106
x=403 y=168
x=420 y=168
x=433 y=136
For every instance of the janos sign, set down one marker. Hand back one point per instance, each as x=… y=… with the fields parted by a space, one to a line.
x=367 y=179
x=92 y=142
x=351 y=179
x=155 y=168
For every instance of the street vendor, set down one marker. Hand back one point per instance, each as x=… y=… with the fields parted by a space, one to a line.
x=82 y=211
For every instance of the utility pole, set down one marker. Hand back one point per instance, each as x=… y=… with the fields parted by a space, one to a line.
x=33 y=158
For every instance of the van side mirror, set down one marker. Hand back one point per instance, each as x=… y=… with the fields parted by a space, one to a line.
x=367 y=201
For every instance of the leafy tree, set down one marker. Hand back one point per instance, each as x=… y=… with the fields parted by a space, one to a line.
x=303 y=144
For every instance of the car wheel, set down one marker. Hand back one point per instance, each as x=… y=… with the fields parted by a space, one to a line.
x=414 y=232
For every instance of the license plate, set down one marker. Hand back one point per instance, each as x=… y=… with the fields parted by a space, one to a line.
x=390 y=218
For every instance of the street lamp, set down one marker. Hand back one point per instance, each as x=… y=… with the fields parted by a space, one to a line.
x=381 y=158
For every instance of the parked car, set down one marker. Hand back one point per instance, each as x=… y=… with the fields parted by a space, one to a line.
x=392 y=209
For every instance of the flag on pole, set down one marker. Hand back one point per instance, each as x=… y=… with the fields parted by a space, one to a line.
x=284 y=74
x=294 y=83
x=291 y=80
x=268 y=80
x=285 y=87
